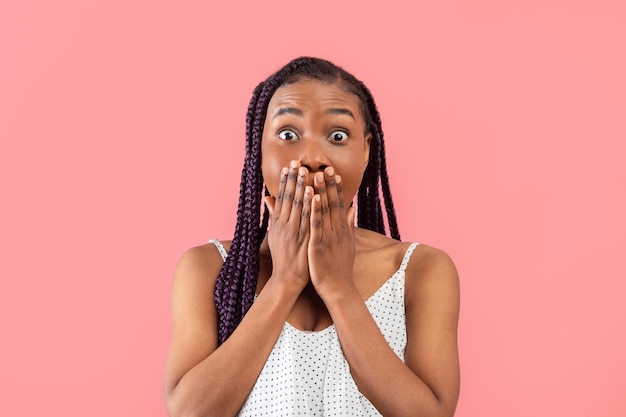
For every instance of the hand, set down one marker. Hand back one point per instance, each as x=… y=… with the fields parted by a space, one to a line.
x=331 y=244
x=289 y=231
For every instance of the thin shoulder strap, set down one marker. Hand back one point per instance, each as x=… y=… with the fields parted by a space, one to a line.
x=220 y=247
x=407 y=256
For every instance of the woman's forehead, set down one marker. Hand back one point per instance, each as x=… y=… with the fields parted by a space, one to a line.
x=308 y=91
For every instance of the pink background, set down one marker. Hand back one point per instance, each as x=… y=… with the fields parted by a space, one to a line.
x=122 y=128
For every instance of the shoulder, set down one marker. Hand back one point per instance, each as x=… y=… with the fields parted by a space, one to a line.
x=197 y=269
x=202 y=257
x=426 y=260
x=431 y=274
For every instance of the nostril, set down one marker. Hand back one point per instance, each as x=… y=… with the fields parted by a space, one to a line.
x=317 y=168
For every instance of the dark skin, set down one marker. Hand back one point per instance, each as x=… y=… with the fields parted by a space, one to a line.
x=315 y=150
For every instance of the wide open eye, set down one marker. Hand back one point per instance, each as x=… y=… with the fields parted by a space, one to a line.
x=287 y=134
x=338 y=136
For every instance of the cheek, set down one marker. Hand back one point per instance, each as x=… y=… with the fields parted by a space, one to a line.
x=351 y=175
x=351 y=186
x=270 y=168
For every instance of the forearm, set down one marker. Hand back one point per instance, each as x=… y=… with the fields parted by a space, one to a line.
x=393 y=388
x=220 y=384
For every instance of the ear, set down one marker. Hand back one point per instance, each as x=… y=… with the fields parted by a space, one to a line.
x=366 y=151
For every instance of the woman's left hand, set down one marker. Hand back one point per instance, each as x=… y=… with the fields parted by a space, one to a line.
x=331 y=243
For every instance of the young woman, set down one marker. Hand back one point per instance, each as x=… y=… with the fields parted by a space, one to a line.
x=313 y=316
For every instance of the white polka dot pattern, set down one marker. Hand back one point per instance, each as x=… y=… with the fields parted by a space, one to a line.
x=306 y=373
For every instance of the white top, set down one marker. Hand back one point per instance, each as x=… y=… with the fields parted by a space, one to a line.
x=306 y=373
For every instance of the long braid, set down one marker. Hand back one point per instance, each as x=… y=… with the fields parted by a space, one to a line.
x=369 y=209
x=381 y=169
x=231 y=279
x=237 y=280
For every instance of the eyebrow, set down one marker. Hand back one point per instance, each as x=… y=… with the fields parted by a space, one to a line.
x=288 y=110
x=340 y=111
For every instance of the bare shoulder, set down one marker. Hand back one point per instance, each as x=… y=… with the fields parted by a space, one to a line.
x=426 y=260
x=432 y=273
x=194 y=281
x=199 y=261
x=202 y=254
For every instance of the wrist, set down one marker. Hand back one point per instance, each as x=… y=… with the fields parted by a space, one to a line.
x=286 y=287
x=338 y=293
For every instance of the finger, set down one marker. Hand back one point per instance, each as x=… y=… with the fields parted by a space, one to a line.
x=296 y=210
x=342 y=202
x=337 y=216
x=290 y=188
x=282 y=183
x=316 y=219
x=320 y=189
x=305 y=221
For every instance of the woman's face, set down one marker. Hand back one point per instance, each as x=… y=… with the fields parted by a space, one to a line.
x=320 y=125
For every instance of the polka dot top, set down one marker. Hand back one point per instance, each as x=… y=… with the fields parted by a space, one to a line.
x=306 y=373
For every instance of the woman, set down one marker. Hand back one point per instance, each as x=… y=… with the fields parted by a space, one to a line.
x=313 y=316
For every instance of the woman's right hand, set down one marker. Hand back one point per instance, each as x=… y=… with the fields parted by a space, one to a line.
x=288 y=234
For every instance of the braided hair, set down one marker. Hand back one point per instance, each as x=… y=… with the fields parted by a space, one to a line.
x=236 y=283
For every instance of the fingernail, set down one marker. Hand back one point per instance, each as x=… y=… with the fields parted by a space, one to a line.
x=293 y=164
x=337 y=179
x=330 y=171
x=302 y=171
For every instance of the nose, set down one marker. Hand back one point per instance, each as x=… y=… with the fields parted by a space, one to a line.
x=313 y=157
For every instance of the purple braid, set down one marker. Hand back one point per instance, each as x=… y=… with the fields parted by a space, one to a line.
x=237 y=280
x=370 y=214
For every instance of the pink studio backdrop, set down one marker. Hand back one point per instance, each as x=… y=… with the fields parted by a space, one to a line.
x=122 y=129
